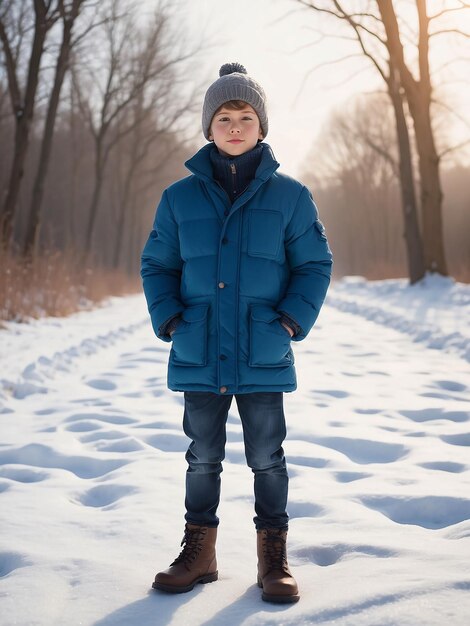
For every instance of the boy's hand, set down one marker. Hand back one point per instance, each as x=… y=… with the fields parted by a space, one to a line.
x=288 y=328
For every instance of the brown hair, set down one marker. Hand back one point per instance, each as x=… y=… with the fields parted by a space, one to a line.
x=232 y=105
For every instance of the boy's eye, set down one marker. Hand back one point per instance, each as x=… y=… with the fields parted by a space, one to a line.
x=227 y=119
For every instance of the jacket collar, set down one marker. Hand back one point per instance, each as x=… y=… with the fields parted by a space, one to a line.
x=201 y=166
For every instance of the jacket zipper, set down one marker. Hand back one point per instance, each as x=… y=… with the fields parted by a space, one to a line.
x=234 y=173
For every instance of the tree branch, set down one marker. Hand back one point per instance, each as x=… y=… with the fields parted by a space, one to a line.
x=449 y=30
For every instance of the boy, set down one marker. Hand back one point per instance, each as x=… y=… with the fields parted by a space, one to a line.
x=236 y=266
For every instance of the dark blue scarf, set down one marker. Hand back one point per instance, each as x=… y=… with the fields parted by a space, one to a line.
x=234 y=174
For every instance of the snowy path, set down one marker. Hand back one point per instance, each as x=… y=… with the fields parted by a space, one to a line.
x=92 y=477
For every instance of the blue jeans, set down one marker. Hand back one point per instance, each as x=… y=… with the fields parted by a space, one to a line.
x=264 y=430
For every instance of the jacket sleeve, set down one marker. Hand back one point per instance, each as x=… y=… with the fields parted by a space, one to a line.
x=161 y=269
x=310 y=262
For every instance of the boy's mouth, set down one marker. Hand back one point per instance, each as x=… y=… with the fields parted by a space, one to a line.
x=235 y=140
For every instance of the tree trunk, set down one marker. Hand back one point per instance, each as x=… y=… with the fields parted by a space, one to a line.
x=23 y=111
x=431 y=190
x=414 y=246
x=95 y=199
x=32 y=229
x=418 y=95
x=123 y=204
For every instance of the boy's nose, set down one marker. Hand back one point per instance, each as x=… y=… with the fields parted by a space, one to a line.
x=234 y=129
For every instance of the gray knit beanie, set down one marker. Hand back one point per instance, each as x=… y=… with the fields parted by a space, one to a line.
x=234 y=84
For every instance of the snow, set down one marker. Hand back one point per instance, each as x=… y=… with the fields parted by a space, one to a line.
x=436 y=311
x=92 y=470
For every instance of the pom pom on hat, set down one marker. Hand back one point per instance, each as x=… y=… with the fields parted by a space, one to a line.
x=231 y=68
x=234 y=84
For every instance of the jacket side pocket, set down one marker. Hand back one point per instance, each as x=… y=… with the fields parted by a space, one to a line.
x=269 y=342
x=190 y=337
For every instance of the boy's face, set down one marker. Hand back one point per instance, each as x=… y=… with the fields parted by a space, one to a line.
x=235 y=132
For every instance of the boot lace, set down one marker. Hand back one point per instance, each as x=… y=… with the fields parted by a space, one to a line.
x=275 y=552
x=192 y=545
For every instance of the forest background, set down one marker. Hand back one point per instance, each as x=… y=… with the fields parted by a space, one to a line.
x=100 y=106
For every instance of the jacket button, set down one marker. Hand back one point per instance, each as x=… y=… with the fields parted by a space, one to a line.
x=223 y=389
x=225 y=240
x=221 y=285
x=226 y=212
x=222 y=357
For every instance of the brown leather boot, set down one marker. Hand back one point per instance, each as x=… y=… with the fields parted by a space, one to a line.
x=274 y=576
x=195 y=564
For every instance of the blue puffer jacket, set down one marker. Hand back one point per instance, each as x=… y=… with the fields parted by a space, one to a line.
x=231 y=270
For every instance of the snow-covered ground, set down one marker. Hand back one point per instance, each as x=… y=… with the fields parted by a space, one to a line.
x=92 y=470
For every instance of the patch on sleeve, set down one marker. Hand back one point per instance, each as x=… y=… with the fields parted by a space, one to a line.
x=320 y=229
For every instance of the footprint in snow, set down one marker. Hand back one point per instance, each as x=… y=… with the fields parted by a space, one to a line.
x=143 y=359
x=155 y=349
x=39 y=455
x=11 y=561
x=109 y=419
x=461 y=439
x=158 y=425
x=304 y=509
x=123 y=445
x=308 y=461
x=83 y=427
x=23 y=475
x=364 y=451
x=48 y=411
x=101 y=383
x=426 y=511
x=427 y=415
x=349 y=477
x=91 y=402
x=324 y=556
x=168 y=442
x=450 y=385
x=102 y=435
x=105 y=495
x=336 y=393
x=444 y=466
x=154 y=380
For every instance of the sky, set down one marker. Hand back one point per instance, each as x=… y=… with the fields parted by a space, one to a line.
x=303 y=80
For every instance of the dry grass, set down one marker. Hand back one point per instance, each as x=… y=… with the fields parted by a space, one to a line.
x=55 y=284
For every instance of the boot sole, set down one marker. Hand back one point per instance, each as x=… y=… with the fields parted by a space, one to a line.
x=208 y=578
x=277 y=599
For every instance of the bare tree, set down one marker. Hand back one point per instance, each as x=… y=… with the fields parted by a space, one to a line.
x=357 y=178
x=15 y=23
x=418 y=94
x=68 y=17
x=135 y=64
x=378 y=33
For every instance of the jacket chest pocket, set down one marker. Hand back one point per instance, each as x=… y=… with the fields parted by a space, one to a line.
x=264 y=233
